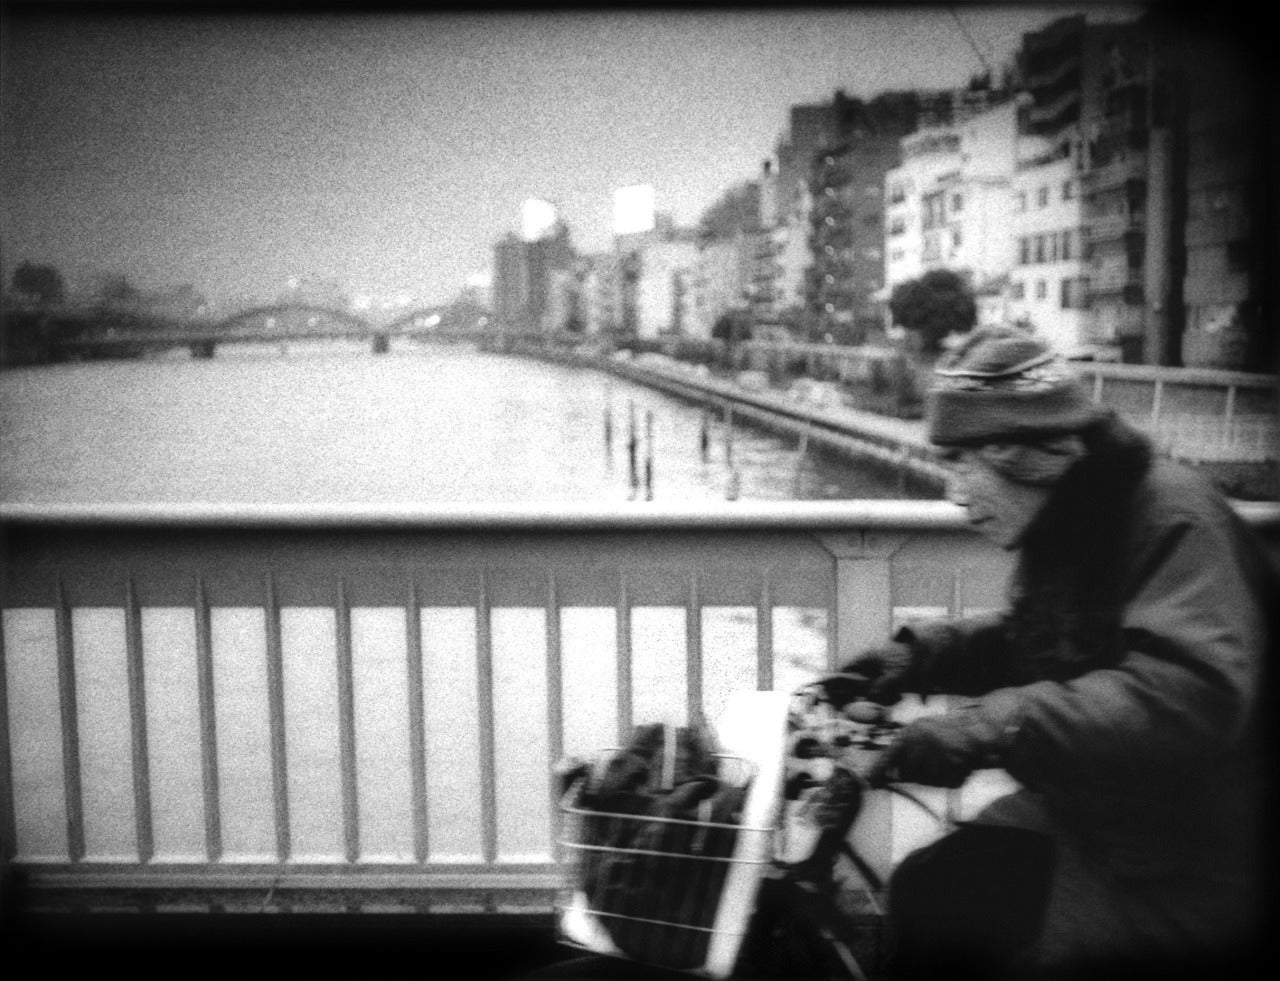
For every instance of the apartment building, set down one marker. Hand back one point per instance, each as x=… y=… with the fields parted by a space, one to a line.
x=846 y=237
x=811 y=129
x=846 y=221
x=949 y=204
x=522 y=276
x=601 y=293
x=927 y=156
x=1048 y=287
x=720 y=282
x=979 y=204
x=1229 y=254
x=564 y=309
x=781 y=254
x=665 y=271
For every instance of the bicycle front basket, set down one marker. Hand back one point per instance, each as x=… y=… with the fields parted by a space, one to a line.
x=654 y=888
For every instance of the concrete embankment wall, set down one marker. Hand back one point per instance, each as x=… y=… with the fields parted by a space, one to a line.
x=890 y=446
x=896 y=446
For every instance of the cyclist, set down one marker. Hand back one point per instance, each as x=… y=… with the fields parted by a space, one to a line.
x=1121 y=688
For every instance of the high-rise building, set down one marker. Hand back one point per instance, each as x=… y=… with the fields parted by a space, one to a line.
x=601 y=293
x=928 y=155
x=1069 y=70
x=846 y=222
x=720 y=282
x=522 y=274
x=1208 y=106
x=664 y=273
x=1125 y=168
x=510 y=282
x=1048 y=287
x=811 y=128
x=1174 y=133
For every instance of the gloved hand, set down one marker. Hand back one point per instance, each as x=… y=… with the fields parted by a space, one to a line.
x=937 y=750
x=882 y=673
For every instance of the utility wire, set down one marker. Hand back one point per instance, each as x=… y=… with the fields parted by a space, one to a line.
x=969 y=37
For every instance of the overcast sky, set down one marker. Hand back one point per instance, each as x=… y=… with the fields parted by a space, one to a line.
x=390 y=152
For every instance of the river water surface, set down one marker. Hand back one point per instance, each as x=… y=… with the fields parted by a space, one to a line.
x=420 y=425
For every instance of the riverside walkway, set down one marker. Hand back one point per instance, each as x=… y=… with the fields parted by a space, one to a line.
x=1241 y=454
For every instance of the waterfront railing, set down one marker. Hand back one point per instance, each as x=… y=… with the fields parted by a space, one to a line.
x=361 y=699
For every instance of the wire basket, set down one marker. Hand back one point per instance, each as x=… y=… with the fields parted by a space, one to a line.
x=671 y=892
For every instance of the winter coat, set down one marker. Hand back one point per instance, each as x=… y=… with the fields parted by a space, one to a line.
x=1123 y=687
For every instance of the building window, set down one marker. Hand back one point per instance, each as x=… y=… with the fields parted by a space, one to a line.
x=1042 y=289
x=1024 y=251
x=1022 y=200
x=1039 y=248
x=1042 y=198
x=1066 y=244
x=1238 y=258
x=957 y=202
x=1018 y=290
x=1068 y=189
x=1053 y=247
x=1065 y=300
x=955 y=238
x=933 y=216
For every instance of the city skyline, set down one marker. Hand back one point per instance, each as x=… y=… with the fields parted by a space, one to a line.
x=389 y=152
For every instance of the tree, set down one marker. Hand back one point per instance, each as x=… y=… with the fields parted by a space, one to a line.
x=732 y=325
x=937 y=304
x=116 y=290
x=41 y=283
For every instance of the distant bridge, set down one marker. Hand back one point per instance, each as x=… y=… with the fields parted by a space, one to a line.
x=62 y=332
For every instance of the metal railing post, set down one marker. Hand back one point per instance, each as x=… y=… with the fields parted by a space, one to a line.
x=863 y=612
x=863 y=617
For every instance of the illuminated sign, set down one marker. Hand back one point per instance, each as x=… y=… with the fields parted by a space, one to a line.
x=633 y=209
x=537 y=218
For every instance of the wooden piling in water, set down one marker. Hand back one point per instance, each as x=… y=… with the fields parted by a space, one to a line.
x=632 y=463
x=728 y=435
x=648 y=460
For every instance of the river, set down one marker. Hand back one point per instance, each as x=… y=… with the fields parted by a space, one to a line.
x=334 y=423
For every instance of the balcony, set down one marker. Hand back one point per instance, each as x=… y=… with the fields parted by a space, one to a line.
x=1110 y=276
x=1052 y=112
x=1113 y=226
x=1218 y=228
x=1047 y=77
x=1132 y=166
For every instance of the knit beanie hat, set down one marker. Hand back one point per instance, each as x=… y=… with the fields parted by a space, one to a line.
x=1004 y=385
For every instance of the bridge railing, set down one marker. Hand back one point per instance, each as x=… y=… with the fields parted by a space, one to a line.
x=206 y=698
